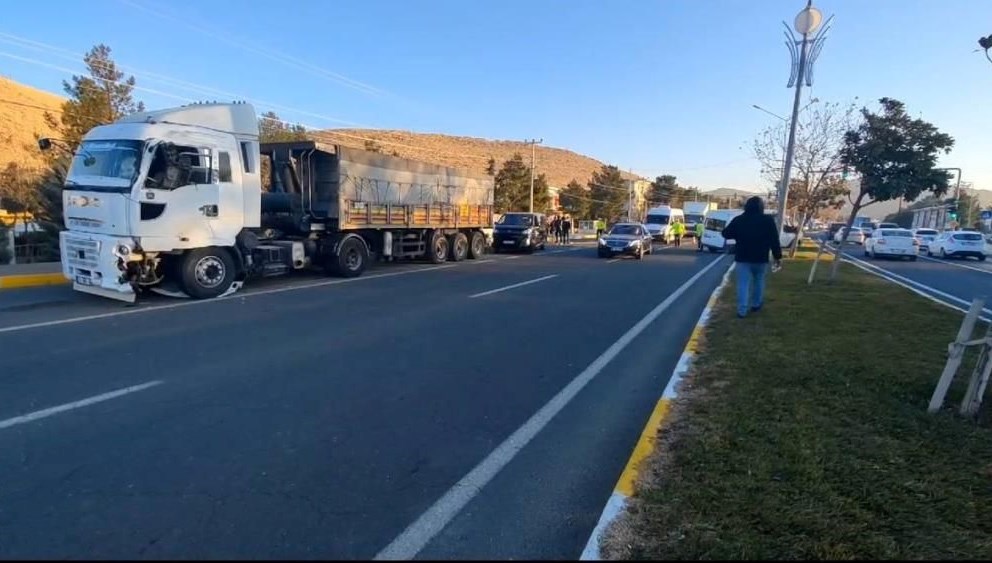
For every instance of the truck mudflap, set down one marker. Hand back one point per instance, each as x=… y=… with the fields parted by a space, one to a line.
x=92 y=263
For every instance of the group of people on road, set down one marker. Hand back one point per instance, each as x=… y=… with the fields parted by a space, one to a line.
x=561 y=228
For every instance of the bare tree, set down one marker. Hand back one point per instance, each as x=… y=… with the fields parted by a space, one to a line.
x=818 y=174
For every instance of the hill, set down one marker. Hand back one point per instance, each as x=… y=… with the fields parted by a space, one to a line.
x=22 y=116
x=560 y=165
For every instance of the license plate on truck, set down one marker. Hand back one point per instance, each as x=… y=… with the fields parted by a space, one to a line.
x=83 y=280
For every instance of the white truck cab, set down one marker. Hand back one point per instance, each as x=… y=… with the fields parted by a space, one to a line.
x=159 y=183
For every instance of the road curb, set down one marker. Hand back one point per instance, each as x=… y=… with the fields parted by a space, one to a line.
x=31 y=280
x=624 y=488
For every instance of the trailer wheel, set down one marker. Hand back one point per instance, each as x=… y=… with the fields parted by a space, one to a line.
x=351 y=260
x=437 y=251
x=478 y=245
x=458 y=244
x=207 y=272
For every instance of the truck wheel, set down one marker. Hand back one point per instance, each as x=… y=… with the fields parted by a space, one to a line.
x=458 y=244
x=351 y=260
x=207 y=272
x=437 y=250
x=477 y=246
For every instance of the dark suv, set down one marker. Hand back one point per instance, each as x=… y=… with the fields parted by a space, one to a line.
x=520 y=231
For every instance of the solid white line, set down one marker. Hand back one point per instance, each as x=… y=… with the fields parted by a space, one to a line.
x=244 y=295
x=911 y=282
x=521 y=284
x=965 y=266
x=883 y=274
x=431 y=522
x=612 y=260
x=517 y=257
x=30 y=417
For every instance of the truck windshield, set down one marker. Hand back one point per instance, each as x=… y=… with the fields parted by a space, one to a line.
x=107 y=166
x=658 y=219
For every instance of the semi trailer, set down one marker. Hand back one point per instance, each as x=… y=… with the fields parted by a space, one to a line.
x=172 y=201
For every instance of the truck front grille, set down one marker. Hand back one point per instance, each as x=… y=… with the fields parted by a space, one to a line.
x=82 y=253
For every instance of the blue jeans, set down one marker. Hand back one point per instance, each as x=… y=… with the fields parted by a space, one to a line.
x=750 y=286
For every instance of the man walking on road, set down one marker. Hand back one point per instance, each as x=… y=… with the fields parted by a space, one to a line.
x=678 y=231
x=699 y=236
x=755 y=235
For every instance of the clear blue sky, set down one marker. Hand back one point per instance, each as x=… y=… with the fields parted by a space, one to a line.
x=657 y=86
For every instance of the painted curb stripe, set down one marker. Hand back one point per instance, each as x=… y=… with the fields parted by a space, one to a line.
x=32 y=280
x=624 y=488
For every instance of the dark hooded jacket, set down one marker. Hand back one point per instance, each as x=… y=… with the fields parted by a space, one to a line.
x=754 y=233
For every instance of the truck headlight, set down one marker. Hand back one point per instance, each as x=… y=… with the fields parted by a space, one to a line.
x=122 y=250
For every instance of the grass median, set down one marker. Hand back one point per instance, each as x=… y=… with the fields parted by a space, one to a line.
x=803 y=434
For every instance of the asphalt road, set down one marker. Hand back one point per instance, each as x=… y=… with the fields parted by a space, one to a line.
x=320 y=418
x=954 y=281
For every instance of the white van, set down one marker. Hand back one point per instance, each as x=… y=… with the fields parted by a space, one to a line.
x=716 y=220
x=660 y=220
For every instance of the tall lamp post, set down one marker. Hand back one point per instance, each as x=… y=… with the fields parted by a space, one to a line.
x=804 y=53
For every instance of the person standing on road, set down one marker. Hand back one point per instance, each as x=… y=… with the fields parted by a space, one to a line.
x=556 y=229
x=600 y=227
x=755 y=235
x=678 y=231
x=566 y=229
x=699 y=236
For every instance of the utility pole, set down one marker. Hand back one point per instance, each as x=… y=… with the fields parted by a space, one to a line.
x=533 y=158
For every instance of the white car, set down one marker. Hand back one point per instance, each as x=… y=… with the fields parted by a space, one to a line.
x=856 y=235
x=925 y=237
x=897 y=243
x=958 y=244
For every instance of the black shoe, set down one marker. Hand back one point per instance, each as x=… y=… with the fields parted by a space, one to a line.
x=755 y=309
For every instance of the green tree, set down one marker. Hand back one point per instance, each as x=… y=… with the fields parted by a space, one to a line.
x=609 y=193
x=271 y=129
x=101 y=97
x=575 y=200
x=513 y=187
x=664 y=189
x=895 y=156
x=491 y=167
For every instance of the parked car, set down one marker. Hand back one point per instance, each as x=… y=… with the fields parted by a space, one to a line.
x=925 y=237
x=958 y=244
x=520 y=231
x=632 y=239
x=896 y=243
x=855 y=235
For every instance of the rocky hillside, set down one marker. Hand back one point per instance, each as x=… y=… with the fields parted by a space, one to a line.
x=560 y=165
x=22 y=116
x=22 y=111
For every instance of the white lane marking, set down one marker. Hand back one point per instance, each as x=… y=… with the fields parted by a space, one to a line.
x=613 y=260
x=244 y=295
x=889 y=276
x=504 y=288
x=430 y=523
x=904 y=279
x=31 y=417
x=517 y=257
x=949 y=263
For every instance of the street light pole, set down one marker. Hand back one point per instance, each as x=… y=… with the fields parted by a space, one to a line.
x=533 y=158
x=804 y=53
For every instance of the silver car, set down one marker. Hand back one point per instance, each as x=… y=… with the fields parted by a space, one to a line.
x=632 y=239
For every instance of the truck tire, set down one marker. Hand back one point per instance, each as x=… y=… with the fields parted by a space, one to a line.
x=206 y=273
x=458 y=244
x=477 y=245
x=351 y=260
x=437 y=250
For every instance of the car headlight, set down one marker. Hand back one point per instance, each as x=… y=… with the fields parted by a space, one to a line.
x=633 y=242
x=602 y=242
